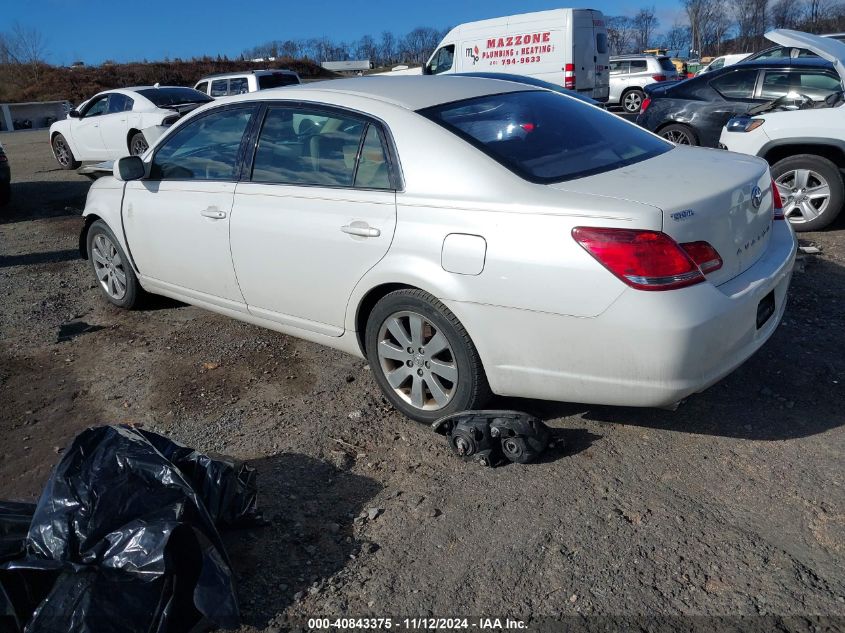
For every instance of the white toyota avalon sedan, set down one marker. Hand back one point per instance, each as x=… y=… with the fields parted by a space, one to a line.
x=468 y=237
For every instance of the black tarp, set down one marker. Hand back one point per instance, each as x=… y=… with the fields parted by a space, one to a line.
x=124 y=538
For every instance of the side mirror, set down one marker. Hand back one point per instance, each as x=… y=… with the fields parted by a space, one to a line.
x=74 y=114
x=129 y=168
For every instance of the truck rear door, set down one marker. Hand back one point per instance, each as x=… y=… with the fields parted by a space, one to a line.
x=590 y=54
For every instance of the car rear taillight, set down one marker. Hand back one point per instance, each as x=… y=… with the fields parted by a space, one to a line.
x=569 y=76
x=659 y=77
x=777 y=203
x=646 y=102
x=645 y=260
x=705 y=256
x=528 y=127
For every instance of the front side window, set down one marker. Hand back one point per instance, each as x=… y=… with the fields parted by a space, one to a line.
x=737 y=84
x=717 y=63
x=238 y=85
x=442 y=61
x=206 y=148
x=97 y=107
x=546 y=137
x=202 y=87
x=301 y=146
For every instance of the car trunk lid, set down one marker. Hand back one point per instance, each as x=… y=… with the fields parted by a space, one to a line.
x=718 y=206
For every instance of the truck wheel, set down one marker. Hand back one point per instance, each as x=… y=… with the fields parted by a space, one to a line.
x=422 y=357
x=111 y=267
x=811 y=190
x=632 y=100
x=679 y=134
x=64 y=156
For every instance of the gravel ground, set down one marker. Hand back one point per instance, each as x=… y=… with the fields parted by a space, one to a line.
x=732 y=505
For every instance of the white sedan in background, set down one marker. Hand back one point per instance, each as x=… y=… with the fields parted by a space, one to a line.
x=467 y=236
x=116 y=122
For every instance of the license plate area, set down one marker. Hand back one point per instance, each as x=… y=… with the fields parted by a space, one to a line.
x=765 y=309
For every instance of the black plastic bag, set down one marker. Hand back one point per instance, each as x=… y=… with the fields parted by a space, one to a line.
x=124 y=538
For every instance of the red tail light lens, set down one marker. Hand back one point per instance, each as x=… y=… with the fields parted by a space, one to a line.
x=528 y=127
x=705 y=256
x=659 y=77
x=645 y=260
x=569 y=76
x=645 y=104
x=777 y=203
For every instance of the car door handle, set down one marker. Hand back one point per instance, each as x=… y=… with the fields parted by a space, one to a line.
x=214 y=213
x=360 y=229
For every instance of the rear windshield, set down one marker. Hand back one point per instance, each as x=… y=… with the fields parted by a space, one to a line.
x=666 y=63
x=164 y=97
x=546 y=137
x=276 y=80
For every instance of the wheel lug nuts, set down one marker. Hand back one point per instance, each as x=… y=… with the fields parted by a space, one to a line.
x=410 y=363
x=427 y=365
x=419 y=372
x=410 y=350
x=421 y=350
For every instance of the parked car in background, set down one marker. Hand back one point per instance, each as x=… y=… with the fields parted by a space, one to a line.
x=467 y=237
x=114 y=123
x=5 y=178
x=722 y=61
x=239 y=83
x=804 y=146
x=562 y=46
x=630 y=74
x=693 y=112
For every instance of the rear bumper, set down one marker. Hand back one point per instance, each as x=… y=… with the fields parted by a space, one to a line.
x=649 y=349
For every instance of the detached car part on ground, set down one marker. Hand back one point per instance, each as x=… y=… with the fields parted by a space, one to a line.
x=803 y=139
x=467 y=236
x=115 y=123
x=125 y=538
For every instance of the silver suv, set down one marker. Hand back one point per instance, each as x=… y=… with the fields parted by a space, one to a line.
x=629 y=74
x=245 y=81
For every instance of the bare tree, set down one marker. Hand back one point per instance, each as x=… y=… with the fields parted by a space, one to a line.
x=620 y=34
x=751 y=23
x=677 y=39
x=23 y=47
x=387 y=48
x=785 y=14
x=645 y=23
x=417 y=45
x=366 y=48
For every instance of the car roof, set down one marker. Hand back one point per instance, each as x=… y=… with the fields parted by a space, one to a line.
x=783 y=62
x=237 y=73
x=636 y=56
x=411 y=92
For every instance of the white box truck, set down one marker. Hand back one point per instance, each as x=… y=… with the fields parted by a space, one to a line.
x=567 y=47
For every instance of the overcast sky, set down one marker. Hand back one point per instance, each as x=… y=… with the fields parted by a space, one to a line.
x=125 y=30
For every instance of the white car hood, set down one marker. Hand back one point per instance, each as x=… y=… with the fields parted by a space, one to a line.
x=825 y=47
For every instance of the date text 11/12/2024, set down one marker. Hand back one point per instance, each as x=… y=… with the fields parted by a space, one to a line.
x=416 y=624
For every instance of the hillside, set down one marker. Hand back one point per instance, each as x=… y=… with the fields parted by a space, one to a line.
x=18 y=84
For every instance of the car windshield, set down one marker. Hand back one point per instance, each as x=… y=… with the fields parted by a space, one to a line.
x=276 y=80
x=545 y=137
x=164 y=97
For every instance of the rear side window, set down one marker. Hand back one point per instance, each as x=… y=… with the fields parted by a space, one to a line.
x=276 y=80
x=638 y=65
x=545 y=137
x=666 y=64
x=601 y=43
x=205 y=148
x=300 y=146
x=119 y=103
x=775 y=84
x=737 y=84
x=238 y=85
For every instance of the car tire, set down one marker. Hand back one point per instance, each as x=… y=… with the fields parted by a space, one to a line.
x=797 y=177
x=137 y=144
x=62 y=152
x=423 y=384
x=112 y=268
x=679 y=134
x=632 y=100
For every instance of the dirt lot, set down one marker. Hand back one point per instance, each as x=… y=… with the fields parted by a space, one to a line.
x=732 y=505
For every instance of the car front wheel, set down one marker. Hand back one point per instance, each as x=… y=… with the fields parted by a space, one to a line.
x=811 y=190
x=62 y=152
x=632 y=101
x=111 y=267
x=422 y=357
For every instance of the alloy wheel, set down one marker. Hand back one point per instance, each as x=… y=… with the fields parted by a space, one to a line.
x=417 y=361
x=109 y=267
x=633 y=102
x=678 y=137
x=62 y=151
x=805 y=194
x=139 y=145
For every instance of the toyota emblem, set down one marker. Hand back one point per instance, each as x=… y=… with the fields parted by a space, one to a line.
x=756 y=197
